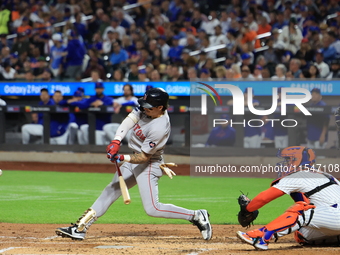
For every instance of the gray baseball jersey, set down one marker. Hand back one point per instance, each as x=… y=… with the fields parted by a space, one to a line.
x=150 y=136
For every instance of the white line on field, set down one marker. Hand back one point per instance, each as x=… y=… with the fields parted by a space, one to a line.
x=10 y=248
x=49 y=238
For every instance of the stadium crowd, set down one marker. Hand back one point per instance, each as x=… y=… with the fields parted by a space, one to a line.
x=169 y=40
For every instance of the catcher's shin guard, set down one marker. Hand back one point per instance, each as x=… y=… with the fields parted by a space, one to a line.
x=86 y=220
x=293 y=219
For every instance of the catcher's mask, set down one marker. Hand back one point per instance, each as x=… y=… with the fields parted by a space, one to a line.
x=295 y=158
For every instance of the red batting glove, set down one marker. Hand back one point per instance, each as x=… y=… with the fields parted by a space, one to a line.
x=117 y=158
x=113 y=148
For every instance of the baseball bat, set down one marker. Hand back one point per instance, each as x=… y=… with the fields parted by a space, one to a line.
x=123 y=187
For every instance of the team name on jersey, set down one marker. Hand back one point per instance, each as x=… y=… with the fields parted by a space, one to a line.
x=139 y=133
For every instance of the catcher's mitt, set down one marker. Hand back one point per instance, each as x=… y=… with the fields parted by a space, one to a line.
x=245 y=218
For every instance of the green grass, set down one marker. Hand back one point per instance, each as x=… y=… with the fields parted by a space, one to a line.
x=56 y=197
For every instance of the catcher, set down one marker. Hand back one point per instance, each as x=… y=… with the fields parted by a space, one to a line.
x=150 y=124
x=314 y=218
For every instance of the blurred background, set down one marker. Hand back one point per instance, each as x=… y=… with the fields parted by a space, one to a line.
x=57 y=55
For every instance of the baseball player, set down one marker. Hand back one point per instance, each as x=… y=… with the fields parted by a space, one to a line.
x=151 y=129
x=315 y=216
x=317 y=124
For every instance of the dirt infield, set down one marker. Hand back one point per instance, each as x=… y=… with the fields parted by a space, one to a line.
x=128 y=238
x=138 y=239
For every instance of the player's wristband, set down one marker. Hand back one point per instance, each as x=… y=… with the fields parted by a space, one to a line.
x=127 y=158
x=117 y=137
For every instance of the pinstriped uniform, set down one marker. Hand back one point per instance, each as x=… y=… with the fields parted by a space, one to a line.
x=325 y=223
x=149 y=135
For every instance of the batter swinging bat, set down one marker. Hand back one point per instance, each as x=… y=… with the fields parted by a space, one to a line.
x=123 y=188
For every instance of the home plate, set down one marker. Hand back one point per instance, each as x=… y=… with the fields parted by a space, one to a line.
x=112 y=247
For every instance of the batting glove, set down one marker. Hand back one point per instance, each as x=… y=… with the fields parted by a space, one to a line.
x=117 y=158
x=113 y=148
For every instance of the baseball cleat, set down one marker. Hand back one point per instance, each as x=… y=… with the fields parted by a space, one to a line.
x=201 y=220
x=71 y=232
x=258 y=242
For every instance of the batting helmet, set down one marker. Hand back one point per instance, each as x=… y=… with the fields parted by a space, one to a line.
x=154 y=97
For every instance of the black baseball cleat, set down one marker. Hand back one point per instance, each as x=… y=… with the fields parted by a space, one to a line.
x=71 y=232
x=201 y=220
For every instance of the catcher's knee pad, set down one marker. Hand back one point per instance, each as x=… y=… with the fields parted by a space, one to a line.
x=86 y=220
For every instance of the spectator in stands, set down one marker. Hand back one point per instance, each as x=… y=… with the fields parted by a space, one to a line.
x=115 y=27
x=176 y=49
x=335 y=43
x=230 y=74
x=222 y=135
x=306 y=52
x=133 y=72
x=247 y=61
x=263 y=27
x=328 y=51
x=118 y=57
x=258 y=72
x=237 y=71
x=155 y=76
x=248 y=35
x=280 y=21
x=291 y=36
x=46 y=75
x=5 y=14
x=211 y=23
x=314 y=72
x=175 y=73
x=74 y=58
x=280 y=72
x=142 y=75
x=29 y=77
x=95 y=76
x=321 y=65
x=165 y=48
x=95 y=66
x=335 y=69
x=192 y=74
x=245 y=73
x=24 y=27
x=251 y=20
x=270 y=55
x=220 y=72
x=219 y=38
x=294 y=67
x=317 y=124
x=118 y=75
x=58 y=51
x=7 y=72
x=205 y=74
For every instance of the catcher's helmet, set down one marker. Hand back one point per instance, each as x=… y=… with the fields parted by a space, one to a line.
x=296 y=158
x=154 y=97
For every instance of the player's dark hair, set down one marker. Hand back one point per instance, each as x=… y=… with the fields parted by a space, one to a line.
x=44 y=90
x=131 y=88
x=57 y=91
